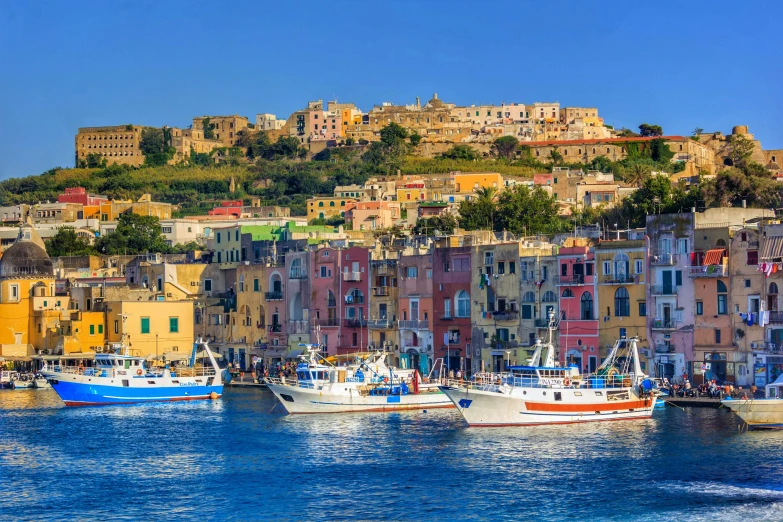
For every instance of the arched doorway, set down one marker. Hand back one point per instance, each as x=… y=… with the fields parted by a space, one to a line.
x=574 y=358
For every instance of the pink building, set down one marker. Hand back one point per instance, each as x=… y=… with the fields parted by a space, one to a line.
x=340 y=298
x=372 y=215
x=80 y=195
x=578 y=304
x=227 y=208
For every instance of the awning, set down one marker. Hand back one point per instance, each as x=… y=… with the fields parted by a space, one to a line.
x=714 y=256
x=773 y=247
x=293 y=354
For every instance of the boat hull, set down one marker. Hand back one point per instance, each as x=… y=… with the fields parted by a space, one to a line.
x=298 y=400
x=539 y=406
x=758 y=413
x=79 y=391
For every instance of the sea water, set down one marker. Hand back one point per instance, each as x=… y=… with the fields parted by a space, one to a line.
x=242 y=458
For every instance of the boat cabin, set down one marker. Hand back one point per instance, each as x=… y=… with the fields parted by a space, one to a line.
x=774 y=390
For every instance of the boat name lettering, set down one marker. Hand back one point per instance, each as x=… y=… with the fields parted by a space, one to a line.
x=188 y=384
x=121 y=372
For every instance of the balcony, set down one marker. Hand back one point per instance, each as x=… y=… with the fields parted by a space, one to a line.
x=354 y=323
x=352 y=276
x=663 y=324
x=765 y=346
x=708 y=271
x=327 y=322
x=385 y=270
x=776 y=317
x=379 y=324
x=664 y=260
x=380 y=291
x=354 y=299
x=542 y=323
x=509 y=315
x=298 y=327
x=273 y=296
x=573 y=280
x=413 y=325
x=619 y=279
x=664 y=348
x=663 y=290
x=454 y=340
x=297 y=272
x=275 y=328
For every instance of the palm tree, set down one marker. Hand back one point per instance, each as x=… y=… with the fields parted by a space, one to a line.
x=637 y=174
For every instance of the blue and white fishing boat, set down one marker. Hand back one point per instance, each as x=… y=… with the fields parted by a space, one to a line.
x=119 y=378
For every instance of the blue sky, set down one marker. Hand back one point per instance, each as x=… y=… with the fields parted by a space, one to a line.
x=677 y=64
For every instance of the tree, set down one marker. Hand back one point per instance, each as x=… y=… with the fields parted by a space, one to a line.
x=415 y=138
x=660 y=151
x=93 y=160
x=444 y=224
x=697 y=131
x=627 y=133
x=637 y=174
x=505 y=147
x=555 y=156
x=67 y=243
x=208 y=129
x=601 y=163
x=387 y=155
x=134 y=235
x=478 y=213
x=461 y=152
x=739 y=150
x=522 y=211
x=650 y=130
x=155 y=145
x=349 y=141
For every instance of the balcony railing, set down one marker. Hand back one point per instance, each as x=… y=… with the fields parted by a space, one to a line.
x=507 y=315
x=275 y=328
x=380 y=291
x=663 y=324
x=573 y=280
x=273 y=296
x=542 y=323
x=776 y=317
x=664 y=260
x=708 y=271
x=620 y=279
x=379 y=324
x=297 y=272
x=354 y=299
x=663 y=290
x=327 y=322
x=413 y=325
x=664 y=348
x=385 y=270
x=354 y=323
x=453 y=341
x=298 y=327
x=352 y=276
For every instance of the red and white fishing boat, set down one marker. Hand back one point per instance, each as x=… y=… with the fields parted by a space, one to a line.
x=551 y=394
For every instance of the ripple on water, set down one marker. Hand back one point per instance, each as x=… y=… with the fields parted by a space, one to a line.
x=240 y=458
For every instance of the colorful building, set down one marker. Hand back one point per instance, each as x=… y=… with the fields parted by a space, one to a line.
x=452 y=329
x=576 y=285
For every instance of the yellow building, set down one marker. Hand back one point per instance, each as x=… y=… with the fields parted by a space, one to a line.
x=225 y=129
x=111 y=210
x=327 y=207
x=622 y=292
x=117 y=144
x=152 y=327
x=470 y=183
x=26 y=273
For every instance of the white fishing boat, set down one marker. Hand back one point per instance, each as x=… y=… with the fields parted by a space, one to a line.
x=23 y=381
x=364 y=386
x=760 y=413
x=7 y=378
x=551 y=394
x=40 y=382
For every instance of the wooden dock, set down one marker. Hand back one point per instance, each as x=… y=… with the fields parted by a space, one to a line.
x=693 y=402
x=245 y=382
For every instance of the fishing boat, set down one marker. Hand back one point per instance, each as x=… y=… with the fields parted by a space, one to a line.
x=760 y=413
x=40 y=382
x=544 y=393
x=116 y=377
x=364 y=386
x=23 y=381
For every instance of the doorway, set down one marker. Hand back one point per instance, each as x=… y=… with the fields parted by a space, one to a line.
x=592 y=362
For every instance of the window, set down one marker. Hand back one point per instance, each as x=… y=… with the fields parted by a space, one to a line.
x=173 y=324
x=678 y=277
x=747 y=283
x=699 y=308
x=754 y=304
x=145 y=325
x=92 y=329
x=463 y=304
x=429 y=273
x=218 y=238
x=642 y=309
x=512 y=267
x=753 y=257
x=682 y=246
x=489 y=258
x=461 y=264
x=255 y=284
x=639 y=266
x=207 y=285
x=607 y=268
x=717 y=336
x=587 y=306
x=622 y=266
x=14 y=292
x=116 y=327
x=549 y=297
x=447 y=308
x=323 y=271
x=623 y=333
x=501 y=267
x=722 y=298
x=621 y=303
x=412 y=272
x=567 y=293
x=166 y=230
x=527 y=311
x=564 y=269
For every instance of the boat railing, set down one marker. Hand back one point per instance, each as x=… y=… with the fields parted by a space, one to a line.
x=97 y=371
x=495 y=381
